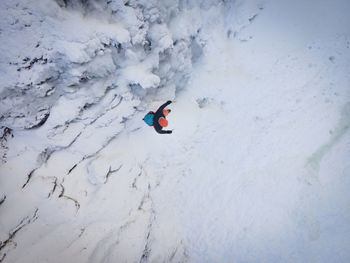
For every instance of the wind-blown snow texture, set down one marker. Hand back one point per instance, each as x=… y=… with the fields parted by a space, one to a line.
x=257 y=168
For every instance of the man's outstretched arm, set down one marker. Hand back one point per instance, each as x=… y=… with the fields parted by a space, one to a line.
x=161 y=108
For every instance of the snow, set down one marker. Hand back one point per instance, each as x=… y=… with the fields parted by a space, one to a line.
x=256 y=169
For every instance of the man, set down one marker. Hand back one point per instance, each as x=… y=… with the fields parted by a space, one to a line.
x=158 y=120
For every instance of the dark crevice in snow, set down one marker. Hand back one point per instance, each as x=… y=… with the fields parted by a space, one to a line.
x=143 y=201
x=29 y=176
x=76 y=165
x=6 y=133
x=135 y=182
x=71 y=169
x=96 y=118
x=147 y=248
x=146 y=251
x=32 y=62
x=57 y=149
x=110 y=172
x=82 y=231
x=109 y=140
x=76 y=203
x=84 y=5
x=2 y=200
x=177 y=251
x=41 y=121
x=62 y=195
x=123 y=227
x=92 y=154
x=152 y=218
x=314 y=161
x=251 y=19
x=172 y=255
x=2 y=257
x=43 y=157
x=87 y=106
x=54 y=187
x=62 y=191
x=24 y=222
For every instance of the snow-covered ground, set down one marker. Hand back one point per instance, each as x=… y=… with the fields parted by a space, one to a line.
x=257 y=168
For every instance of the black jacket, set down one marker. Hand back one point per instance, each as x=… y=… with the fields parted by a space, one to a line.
x=159 y=114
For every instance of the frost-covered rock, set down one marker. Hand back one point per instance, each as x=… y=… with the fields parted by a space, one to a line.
x=67 y=45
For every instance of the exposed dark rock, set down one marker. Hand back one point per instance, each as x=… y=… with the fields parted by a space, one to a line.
x=2 y=200
x=29 y=176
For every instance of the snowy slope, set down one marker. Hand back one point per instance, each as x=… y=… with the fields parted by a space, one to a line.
x=256 y=169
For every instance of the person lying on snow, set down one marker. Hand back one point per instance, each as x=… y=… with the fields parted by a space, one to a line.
x=158 y=120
